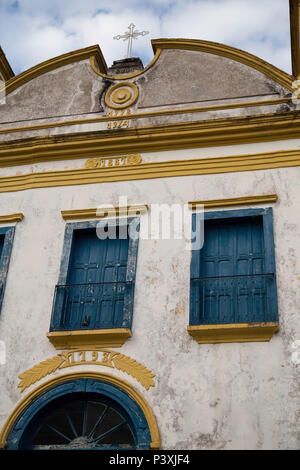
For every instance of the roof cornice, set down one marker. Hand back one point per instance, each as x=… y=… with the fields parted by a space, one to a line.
x=295 y=36
x=5 y=68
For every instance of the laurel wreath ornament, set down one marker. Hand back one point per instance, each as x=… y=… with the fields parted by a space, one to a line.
x=135 y=369
x=119 y=361
x=39 y=371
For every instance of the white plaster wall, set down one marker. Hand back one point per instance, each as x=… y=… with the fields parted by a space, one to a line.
x=223 y=396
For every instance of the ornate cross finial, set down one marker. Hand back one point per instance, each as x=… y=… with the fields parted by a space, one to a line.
x=128 y=36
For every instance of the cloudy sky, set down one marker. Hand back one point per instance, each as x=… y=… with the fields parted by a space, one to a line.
x=32 y=31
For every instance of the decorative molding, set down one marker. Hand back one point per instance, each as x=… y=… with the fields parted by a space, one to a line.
x=226 y=51
x=110 y=337
x=234 y=201
x=121 y=95
x=10 y=218
x=124 y=160
x=127 y=387
x=233 y=333
x=167 y=169
x=128 y=116
x=199 y=134
x=93 y=356
x=101 y=212
x=40 y=371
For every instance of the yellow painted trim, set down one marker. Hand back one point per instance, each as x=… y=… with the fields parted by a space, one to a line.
x=234 y=201
x=226 y=51
x=148 y=114
x=106 y=338
x=101 y=212
x=6 y=219
x=87 y=356
x=233 y=333
x=110 y=101
x=127 y=387
x=119 y=160
x=150 y=139
x=167 y=169
x=54 y=63
x=295 y=36
x=123 y=77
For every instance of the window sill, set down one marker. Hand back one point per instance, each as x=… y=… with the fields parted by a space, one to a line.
x=233 y=333
x=106 y=338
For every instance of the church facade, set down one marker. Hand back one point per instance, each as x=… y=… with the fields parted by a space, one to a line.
x=149 y=243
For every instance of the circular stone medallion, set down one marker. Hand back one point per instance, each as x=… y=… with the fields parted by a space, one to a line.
x=121 y=95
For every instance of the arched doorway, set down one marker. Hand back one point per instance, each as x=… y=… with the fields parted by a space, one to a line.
x=83 y=413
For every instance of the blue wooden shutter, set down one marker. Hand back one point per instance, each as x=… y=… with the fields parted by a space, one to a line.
x=2 y=238
x=232 y=278
x=6 y=243
x=272 y=314
x=96 y=282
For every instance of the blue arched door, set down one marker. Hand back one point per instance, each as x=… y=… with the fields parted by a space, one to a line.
x=81 y=414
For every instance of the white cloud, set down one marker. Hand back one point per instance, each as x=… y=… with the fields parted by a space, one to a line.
x=35 y=30
x=102 y=27
x=261 y=28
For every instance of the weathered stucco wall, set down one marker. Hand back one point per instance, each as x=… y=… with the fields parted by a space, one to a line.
x=222 y=396
x=201 y=76
x=69 y=90
x=178 y=79
x=209 y=396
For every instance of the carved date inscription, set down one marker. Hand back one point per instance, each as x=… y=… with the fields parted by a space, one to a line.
x=120 y=123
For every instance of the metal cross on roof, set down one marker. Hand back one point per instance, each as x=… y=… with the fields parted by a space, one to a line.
x=128 y=36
